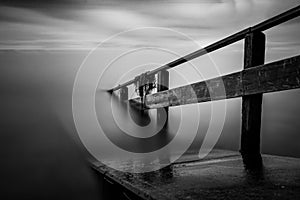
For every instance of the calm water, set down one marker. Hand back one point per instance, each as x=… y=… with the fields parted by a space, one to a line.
x=36 y=94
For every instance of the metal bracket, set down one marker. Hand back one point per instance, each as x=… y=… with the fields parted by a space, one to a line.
x=144 y=84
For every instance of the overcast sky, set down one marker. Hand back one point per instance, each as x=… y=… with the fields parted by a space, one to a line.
x=82 y=24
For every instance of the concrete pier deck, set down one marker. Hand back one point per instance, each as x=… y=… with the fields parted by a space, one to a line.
x=221 y=175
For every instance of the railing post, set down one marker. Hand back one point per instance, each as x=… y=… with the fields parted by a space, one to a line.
x=162 y=84
x=124 y=93
x=254 y=54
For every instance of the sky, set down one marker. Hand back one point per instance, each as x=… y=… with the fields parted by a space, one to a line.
x=82 y=24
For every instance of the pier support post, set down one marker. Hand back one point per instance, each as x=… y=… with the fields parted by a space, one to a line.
x=124 y=93
x=254 y=54
x=162 y=84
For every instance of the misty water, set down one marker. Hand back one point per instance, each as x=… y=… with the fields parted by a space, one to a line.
x=38 y=131
x=37 y=94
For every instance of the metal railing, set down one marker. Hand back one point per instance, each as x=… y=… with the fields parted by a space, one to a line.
x=267 y=24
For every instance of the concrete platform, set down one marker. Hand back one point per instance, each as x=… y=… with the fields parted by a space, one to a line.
x=219 y=176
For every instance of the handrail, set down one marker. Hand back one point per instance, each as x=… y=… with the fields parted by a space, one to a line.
x=276 y=76
x=267 y=24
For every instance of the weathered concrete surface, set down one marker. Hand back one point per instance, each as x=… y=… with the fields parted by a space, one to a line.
x=219 y=176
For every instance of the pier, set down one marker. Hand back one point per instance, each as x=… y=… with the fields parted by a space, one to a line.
x=222 y=174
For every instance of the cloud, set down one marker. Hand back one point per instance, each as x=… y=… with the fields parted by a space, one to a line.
x=83 y=26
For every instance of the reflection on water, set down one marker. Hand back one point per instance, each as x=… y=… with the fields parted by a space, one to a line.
x=130 y=128
x=134 y=130
x=143 y=133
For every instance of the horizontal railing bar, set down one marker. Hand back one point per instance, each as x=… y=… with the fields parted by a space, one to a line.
x=278 y=19
x=271 y=77
x=274 y=21
x=222 y=43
